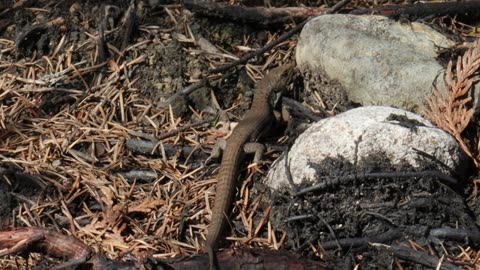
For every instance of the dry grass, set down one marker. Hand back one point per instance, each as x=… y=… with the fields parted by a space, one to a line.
x=77 y=153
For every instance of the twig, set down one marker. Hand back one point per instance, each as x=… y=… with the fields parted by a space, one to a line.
x=456 y=234
x=178 y=130
x=446 y=179
x=422 y=258
x=128 y=26
x=182 y=93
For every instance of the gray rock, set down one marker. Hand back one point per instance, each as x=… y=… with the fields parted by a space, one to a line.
x=358 y=135
x=378 y=61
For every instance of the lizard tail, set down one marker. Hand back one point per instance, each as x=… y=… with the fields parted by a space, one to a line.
x=211 y=258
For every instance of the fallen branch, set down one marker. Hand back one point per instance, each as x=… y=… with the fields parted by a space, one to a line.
x=252 y=15
x=418 y=257
x=423 y=9
x=32 y=31
x=31 y=239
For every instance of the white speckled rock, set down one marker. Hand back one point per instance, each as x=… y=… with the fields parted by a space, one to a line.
x=377 y=61
x=361 y=132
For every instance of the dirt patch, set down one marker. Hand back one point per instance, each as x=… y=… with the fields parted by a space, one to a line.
x=349 y=214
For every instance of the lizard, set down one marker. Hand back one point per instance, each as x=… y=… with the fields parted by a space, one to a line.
x=243 y=140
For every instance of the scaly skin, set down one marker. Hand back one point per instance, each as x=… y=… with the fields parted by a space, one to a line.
x=249 y=129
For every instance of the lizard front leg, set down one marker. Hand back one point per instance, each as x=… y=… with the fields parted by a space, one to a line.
x=217 y=149
x=249 y=148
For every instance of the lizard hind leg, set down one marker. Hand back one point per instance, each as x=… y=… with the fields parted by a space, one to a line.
x=254 y=148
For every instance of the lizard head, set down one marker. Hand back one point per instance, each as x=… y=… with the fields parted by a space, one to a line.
x=278 y=78
x=276 y=81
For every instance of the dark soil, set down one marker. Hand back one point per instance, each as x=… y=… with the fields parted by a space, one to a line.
x=348 y=216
